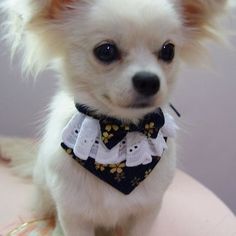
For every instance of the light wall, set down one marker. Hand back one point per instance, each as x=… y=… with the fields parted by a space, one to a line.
x=206 y=99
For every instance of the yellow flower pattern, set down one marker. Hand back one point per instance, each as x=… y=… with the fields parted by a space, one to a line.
x=113 y=133
x=117 y=168
x=108 y=133
x=120 y=177
x=106 y=136
x=100 y=167
x=149 y=129
x=112 y=127
x=135 y=182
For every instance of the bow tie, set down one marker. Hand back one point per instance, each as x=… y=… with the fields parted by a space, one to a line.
x=114 y=131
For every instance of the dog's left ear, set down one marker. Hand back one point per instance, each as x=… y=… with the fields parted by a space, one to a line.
x=200 y=15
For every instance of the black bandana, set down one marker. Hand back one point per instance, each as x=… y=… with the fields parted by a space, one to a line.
x=113 y=130
x=123 y=178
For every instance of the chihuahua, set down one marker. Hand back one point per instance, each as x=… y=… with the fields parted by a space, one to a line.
x=108 y=151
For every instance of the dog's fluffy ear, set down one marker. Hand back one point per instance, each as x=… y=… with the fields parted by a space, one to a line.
x=33 y=26
x=57 y=6
x=200 y=22
x=200 y=16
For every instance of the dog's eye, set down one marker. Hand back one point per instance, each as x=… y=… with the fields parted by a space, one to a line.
x=167 y=53
x=107 y=53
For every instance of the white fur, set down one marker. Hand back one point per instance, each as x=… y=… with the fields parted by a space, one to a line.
x=140 y=28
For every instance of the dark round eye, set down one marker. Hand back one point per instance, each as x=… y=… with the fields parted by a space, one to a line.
x=167 y=53
x=107 y=53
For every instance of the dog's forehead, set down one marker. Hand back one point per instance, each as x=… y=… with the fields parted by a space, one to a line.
x=149 y=17
x=134 y=7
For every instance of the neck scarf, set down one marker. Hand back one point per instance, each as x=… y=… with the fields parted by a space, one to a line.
x=120 y=154
x=114 y=131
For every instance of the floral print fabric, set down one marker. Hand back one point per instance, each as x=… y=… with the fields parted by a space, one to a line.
x=120 y=154
x=119 y=176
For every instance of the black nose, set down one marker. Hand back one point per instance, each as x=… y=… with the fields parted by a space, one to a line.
x=147 y=84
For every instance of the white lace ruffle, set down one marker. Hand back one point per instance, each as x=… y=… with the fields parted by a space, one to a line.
x=82 y=134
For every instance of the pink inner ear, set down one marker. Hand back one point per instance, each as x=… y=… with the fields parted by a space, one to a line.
x=194 y=14
x=57 y=6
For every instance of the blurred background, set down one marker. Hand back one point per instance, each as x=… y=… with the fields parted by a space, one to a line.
x=206 y=98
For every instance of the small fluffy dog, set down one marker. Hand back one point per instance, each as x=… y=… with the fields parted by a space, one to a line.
x=118 y=62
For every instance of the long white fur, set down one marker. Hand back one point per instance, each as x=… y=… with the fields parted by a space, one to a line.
x=80 y=201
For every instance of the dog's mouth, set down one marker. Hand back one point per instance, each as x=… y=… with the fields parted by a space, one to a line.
x=130 y=110
x=137 y=103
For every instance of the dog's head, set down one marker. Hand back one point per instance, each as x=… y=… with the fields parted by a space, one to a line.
x=122 y=56
x=118 y=57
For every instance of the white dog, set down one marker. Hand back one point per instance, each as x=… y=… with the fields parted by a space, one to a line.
x=108 y=152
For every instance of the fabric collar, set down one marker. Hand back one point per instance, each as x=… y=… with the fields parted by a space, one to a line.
x=126 y=165
x=114 y=130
